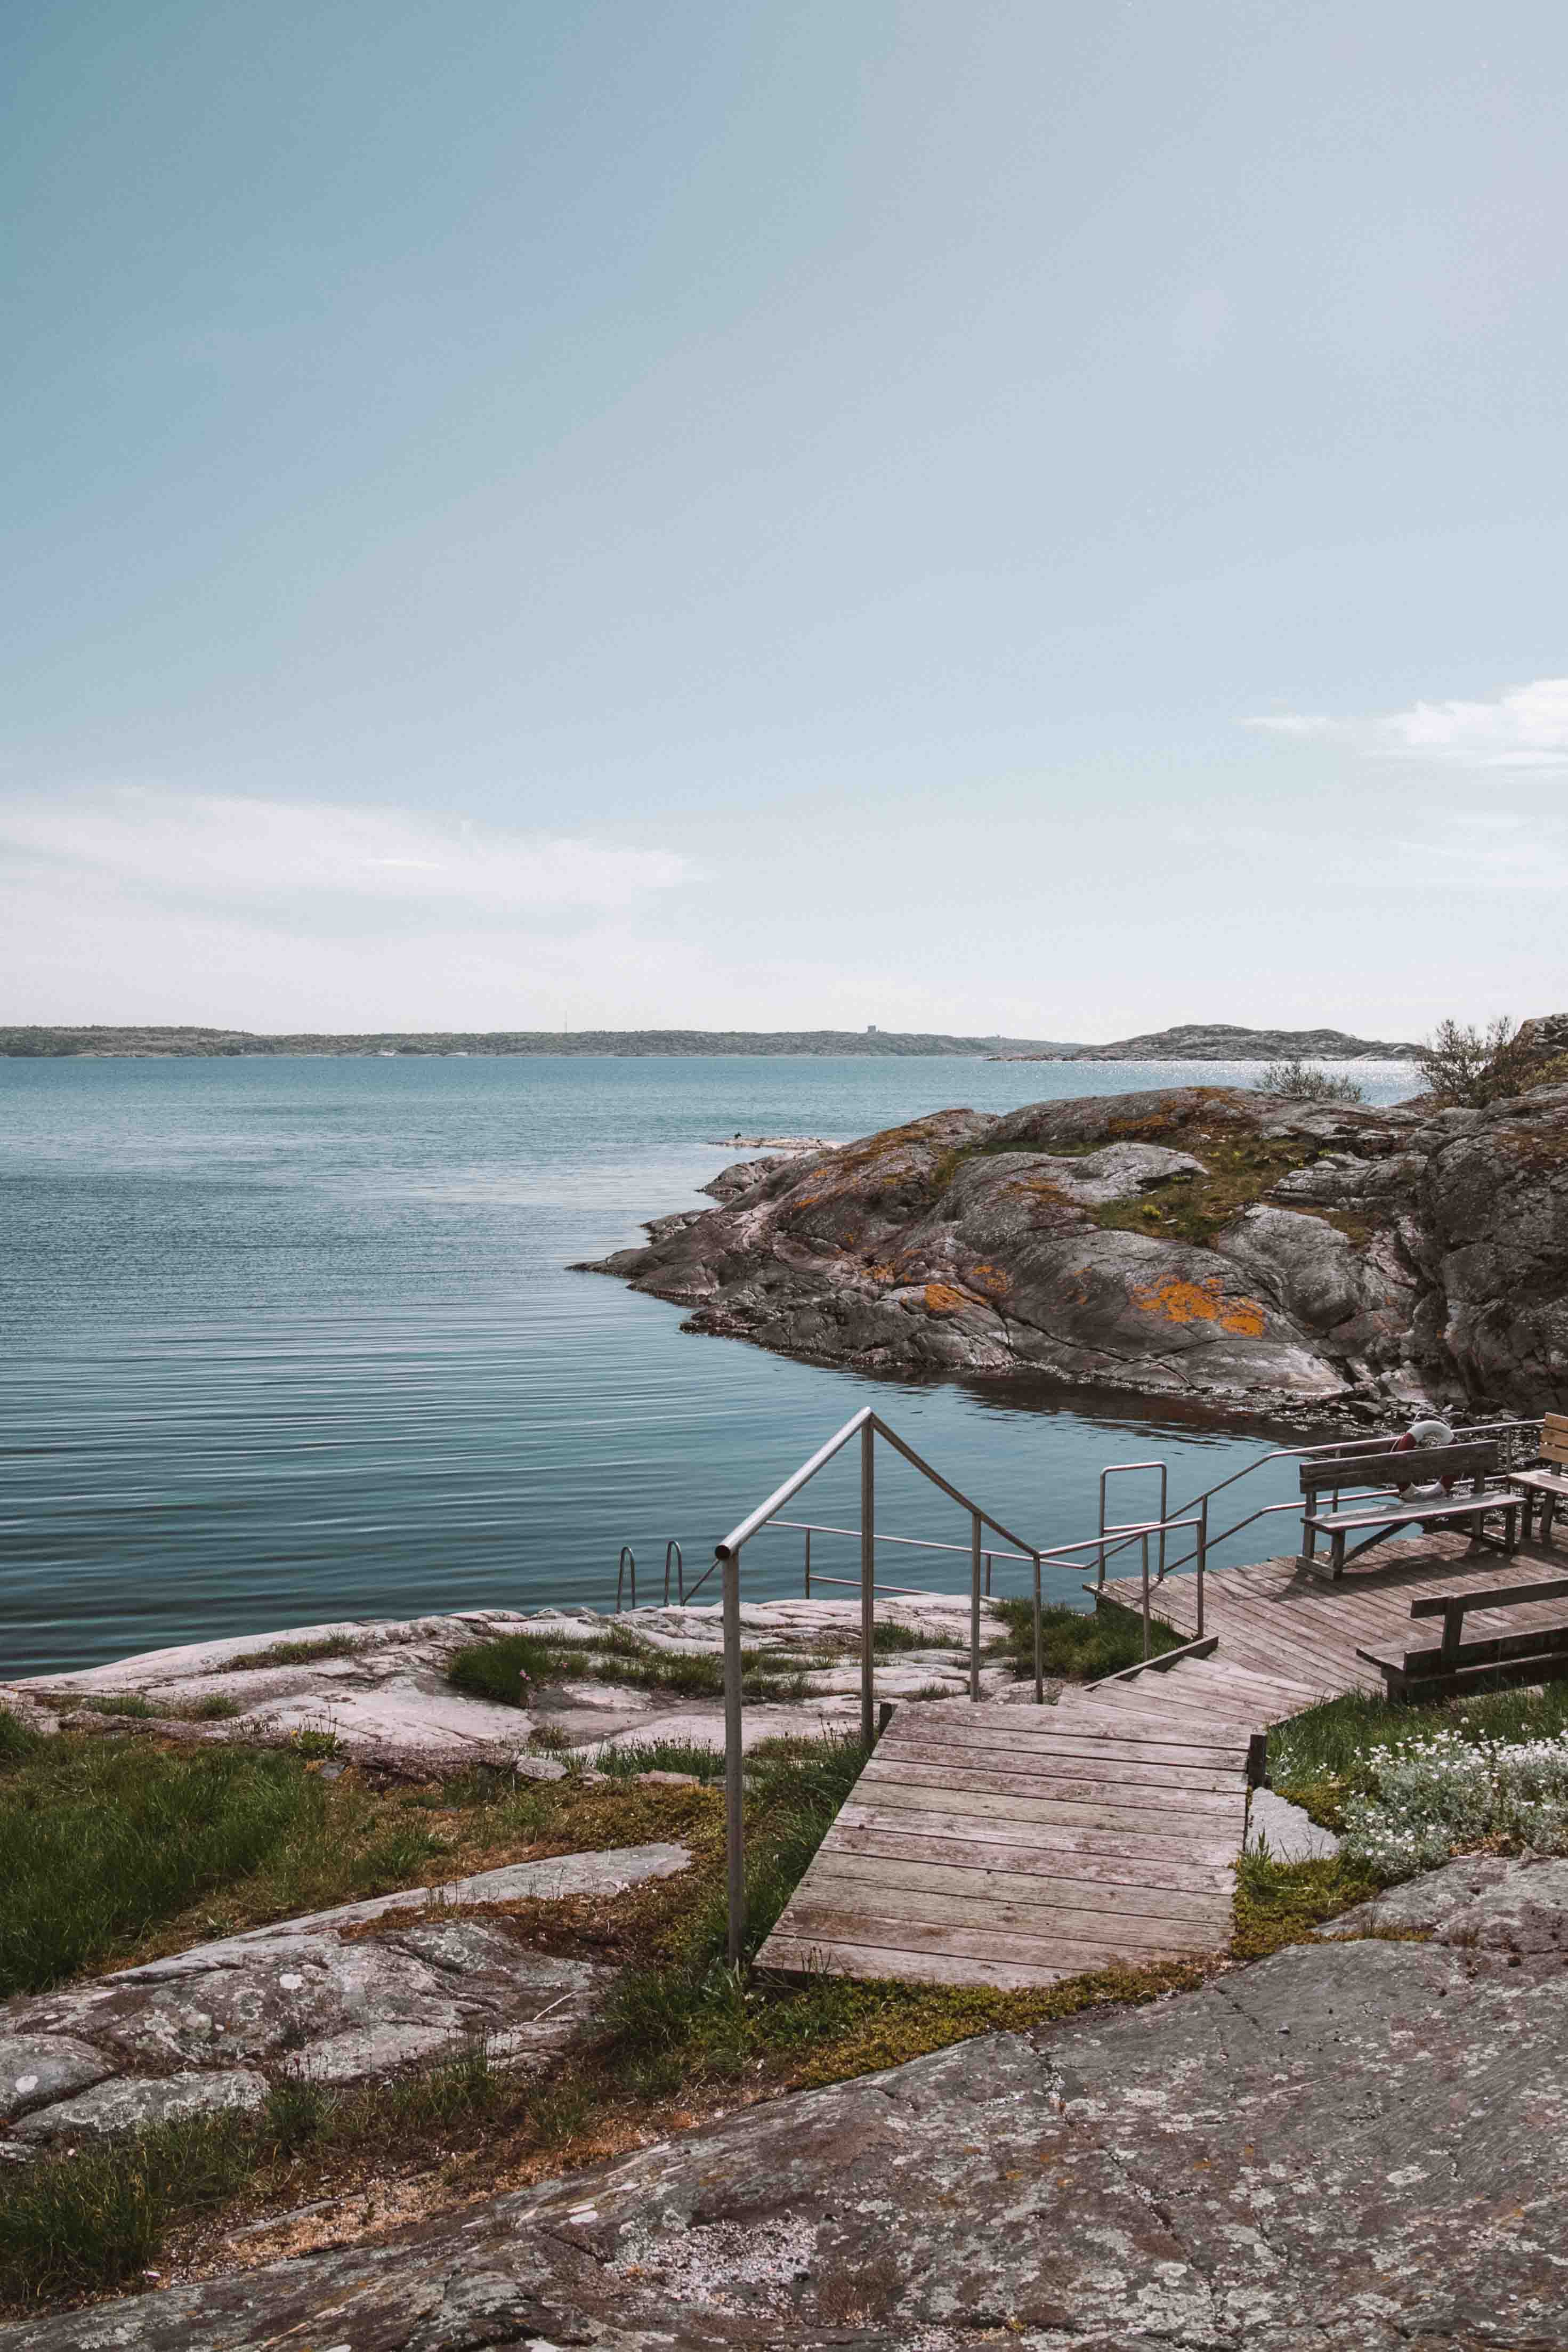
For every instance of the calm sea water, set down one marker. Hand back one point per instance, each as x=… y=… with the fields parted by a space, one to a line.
x=292 y=1340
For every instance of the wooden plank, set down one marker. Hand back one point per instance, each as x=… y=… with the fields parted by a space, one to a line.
x=1047 y=1922
x=1204 y=1841
x=919 y=1841
x=1434 y=1604
x=1058 y=1769
x=1024 y=1889
x=1080 y=1799
x=1065 y=1952
x=1071 y=1737
x=799 y=1956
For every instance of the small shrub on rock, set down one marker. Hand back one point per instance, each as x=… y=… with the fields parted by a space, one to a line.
x=1450 y=1794
x=1306 y=1082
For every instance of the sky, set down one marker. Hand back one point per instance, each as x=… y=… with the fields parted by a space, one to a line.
x=1032 y=519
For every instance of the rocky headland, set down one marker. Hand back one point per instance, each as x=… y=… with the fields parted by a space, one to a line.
x=1241 y=1251
x=1211 y=1041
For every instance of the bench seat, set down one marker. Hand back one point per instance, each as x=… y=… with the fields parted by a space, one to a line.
x=1401 y=1470
x=1469 y=1507
x=1535 y=1654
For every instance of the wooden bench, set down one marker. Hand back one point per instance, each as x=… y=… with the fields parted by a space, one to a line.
x=1546 y=1484
x=1417 y=1466
x=1538 y=1656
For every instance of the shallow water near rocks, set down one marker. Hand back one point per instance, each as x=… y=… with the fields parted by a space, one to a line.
x=295 y=1341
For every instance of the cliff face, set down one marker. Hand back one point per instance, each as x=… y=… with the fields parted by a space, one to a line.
x=1195 y=1242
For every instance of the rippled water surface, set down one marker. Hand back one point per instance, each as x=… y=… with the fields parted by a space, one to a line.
x=291 y=1341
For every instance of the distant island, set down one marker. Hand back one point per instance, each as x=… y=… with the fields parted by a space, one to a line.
x=1211 y=1042
x=120 y=1044
x=1196 y=1044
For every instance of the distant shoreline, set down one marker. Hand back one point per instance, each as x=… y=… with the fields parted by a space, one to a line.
x=60 y=1042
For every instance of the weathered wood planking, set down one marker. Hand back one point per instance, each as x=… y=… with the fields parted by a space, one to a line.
x=1006 y=1845
x=1276 y=1619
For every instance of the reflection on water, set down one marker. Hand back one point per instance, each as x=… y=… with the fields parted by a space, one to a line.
x=289 y=1341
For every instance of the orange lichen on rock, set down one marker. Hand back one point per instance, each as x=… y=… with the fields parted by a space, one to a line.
x=1202 y=1302
x=989 y=1280
x=883 y=1273
x=942 y=1299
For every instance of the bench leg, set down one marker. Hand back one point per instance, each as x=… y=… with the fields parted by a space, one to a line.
x=1337 y=1559
x=1308 y=1545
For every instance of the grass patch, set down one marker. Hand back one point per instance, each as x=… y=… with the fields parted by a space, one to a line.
x=118 y=1849
x=104 y=1837
x=494 y=1670
x=661 y=1756
x=1080 y=1644
x=1321 y=1757
x=888 y=1639
x=291 y=1653
x=1281 y=1902
x=19 y=1741
x=131 y=1702
x=1238 y=1169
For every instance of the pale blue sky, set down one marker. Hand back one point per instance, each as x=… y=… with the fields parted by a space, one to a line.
x=759 y=515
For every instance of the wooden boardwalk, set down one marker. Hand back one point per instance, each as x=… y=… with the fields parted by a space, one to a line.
x=1010 y=1845
x=1277 y=1617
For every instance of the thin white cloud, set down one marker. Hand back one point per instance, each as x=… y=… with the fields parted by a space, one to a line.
x=230 y=849
x=1526 y=726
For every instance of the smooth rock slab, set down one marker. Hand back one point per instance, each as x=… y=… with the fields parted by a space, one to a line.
x=1357 y=2145
x=137 y=2104
x=310 y=1998
x=1486 y=1903
x=36 y=2069
x=1292 y=1835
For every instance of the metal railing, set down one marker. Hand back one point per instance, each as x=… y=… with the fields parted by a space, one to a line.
x=1515 y=1435
x=809 y=1527
x=867 y=1427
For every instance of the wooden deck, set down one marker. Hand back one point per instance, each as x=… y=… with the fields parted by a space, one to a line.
x=1277 y=1617
x=1010 y=1845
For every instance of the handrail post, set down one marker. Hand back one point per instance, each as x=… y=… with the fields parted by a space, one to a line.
x=809 y=1563
x=868 y=1583
x=1164 y=1515
x=975 y=1606
x=1203 y=1557
x=988 y=1575
x=1146 y=1633
x=627 y=1554
x=734 y=1783
x=1039 y=1641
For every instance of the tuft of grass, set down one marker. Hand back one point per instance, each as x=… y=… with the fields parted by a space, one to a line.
x=494 y=1670
x=132 y=1703
x=1320 y=1758
x=72 y=2225
x=20 y=1741
x=1281 y=1902
x=291 y=1653
x=888 y=1638
x=661 y=1756
x=1080 y=1644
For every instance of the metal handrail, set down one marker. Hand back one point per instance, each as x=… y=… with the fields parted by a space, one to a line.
x=629 y=1558
x=1346 y=1448
x=867 y=1426
x=679 y=1572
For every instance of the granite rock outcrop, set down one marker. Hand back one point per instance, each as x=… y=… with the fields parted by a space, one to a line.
x=1352 y=2143
x=1239 y=1250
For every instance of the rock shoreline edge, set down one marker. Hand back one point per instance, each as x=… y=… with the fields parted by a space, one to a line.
x=1234 y=1251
